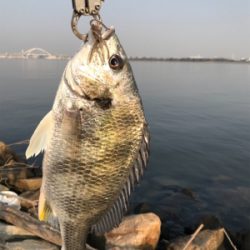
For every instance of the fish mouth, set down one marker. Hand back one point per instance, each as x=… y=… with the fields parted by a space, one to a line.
x=101 y=37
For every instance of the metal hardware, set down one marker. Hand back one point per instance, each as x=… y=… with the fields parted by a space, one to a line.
x=74 y=22
x=100 y=31
x=87 y=7
x=90 y=8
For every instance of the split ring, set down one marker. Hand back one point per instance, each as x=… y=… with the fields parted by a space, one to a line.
x=74 y=25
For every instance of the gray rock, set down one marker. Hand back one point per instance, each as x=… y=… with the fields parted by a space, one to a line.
x=7 y=156
x=31 y=245
x=8 y=232
x=205 y=240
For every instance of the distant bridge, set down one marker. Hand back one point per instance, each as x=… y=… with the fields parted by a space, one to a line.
x=33 y=53
x=36 y=53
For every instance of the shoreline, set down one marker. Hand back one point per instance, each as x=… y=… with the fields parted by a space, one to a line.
x=133 y=59
x=200 y=60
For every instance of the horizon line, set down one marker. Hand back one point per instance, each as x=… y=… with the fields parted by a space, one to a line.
x=39 y=53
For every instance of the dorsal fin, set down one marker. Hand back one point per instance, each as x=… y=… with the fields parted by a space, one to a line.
x=40 y=137
x=114 y=216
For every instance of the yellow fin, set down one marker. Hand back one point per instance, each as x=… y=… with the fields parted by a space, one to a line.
x=40 y=137
x=44 y=210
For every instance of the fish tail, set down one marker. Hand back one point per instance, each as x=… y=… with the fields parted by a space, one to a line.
x=74 y=236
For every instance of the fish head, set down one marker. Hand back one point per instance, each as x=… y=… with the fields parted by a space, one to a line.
x=101 y=72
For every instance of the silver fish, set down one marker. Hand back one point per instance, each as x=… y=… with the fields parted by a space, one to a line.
x=96 y=143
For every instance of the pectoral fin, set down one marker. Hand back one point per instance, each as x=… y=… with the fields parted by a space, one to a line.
x=40 y=137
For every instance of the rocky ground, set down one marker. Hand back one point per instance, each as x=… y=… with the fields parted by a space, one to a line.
x=143 y=228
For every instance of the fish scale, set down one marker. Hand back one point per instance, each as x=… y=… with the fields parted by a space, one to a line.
x=99 y=161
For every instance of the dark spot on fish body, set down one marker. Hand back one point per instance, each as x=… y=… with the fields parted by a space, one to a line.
x=103 y=103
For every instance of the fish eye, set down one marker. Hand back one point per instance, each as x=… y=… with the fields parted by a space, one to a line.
x=116 y=62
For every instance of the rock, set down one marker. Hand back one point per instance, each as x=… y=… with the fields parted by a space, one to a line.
x=13 y=165
x=32 y=184
x=7 y=156
x=30 y=200
x=31 y=245
x=31 y=195
x=205 y=240
x=10 y=198
x=8 y=232
x=3 y=188
x=135 y=232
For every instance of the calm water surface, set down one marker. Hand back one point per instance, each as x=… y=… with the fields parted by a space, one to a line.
x=199 y=115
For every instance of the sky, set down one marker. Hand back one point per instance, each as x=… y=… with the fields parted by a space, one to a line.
x=162 y=28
